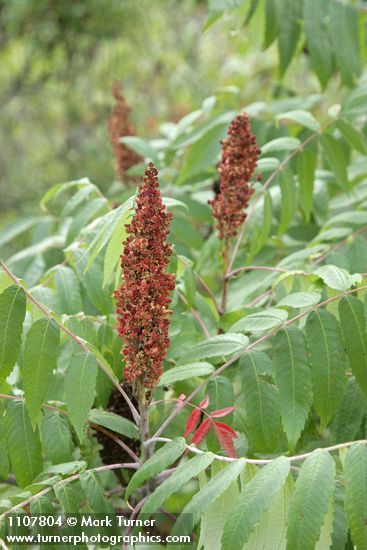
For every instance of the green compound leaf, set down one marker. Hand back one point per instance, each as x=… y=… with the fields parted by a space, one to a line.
x=214 y=518
x=57 y=440
x=340 y=528
x=310 y=501
x=270 y=533
x=348 y=417
x=12 y=314
x=300 y=299
x=345 y=37
x=293 y=378
x=182 y=475
x=221 y=394
x=40 y=355
x=80 y=383
x=263 y=320
x=325 y=539
x=68 y=295
x=262 y=402
x=155 y=464
x=206 y=496
x=316 y=15
x=41 y=505
x=304 y=118
x=69 y=496
x=288 y=203
x=114 y=247
x=94 y=492
x=353 y=323
x=327 y=356
x=353 y=136
x=289 y=33
x=216 y=346
x=182 y=372
x=253 y=503
x=355 y=472
x=4 y=459
x=114 y=422
x=23 y=443
x=306 y=164
x=336 y=159
x=335 y=277
x=281 y=144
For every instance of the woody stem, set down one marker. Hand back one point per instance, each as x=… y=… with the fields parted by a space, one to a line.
x=144 y=420
x=225 y=278
x=146 y=450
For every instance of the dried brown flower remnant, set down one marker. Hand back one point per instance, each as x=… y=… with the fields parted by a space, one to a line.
x=239 y=160
x=111 y=452
x=144 y=295
x=118 y=127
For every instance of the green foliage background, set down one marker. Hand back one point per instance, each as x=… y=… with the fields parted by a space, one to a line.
x=58 y=63
x=290 y=350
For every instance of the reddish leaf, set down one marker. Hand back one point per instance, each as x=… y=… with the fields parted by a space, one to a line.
x=221 y=412
x=192 y=421
x=201 y=432
x=225 y=436
x=204 y=403
x=226 y=428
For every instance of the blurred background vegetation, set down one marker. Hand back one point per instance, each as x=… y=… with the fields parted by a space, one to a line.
x=58 y=61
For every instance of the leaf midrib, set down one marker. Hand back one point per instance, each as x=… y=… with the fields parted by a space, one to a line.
x=40 y=357
x=26 y=443
x=7 y=325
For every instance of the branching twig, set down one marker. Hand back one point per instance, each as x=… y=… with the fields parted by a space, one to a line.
x=79 y=341
x=260 y=297
x=103 y=197
x=117 y=440
x=266 y=268
x=44 y=405
x=248 y=348
x=94 y=425
x=207 y=288
x=133 y=465
x=262 y=461
x=182 y=401
x=316 y=261
x=133 y=515
x=339 y=245
x=195 y=314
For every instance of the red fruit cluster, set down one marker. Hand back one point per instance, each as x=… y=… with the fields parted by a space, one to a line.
x=239 y=160
x=144 y=295
x=118 y=127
